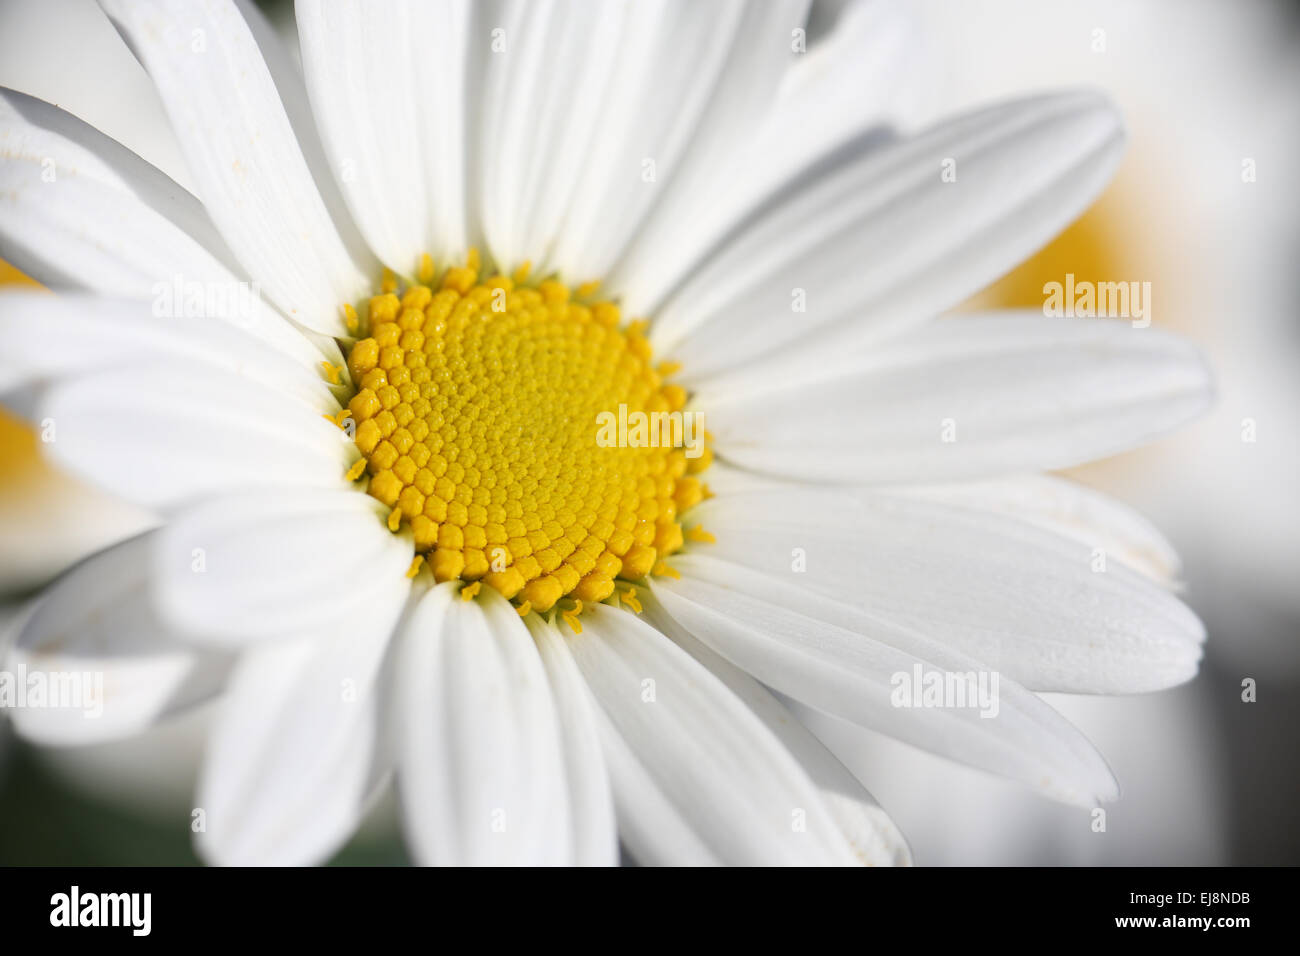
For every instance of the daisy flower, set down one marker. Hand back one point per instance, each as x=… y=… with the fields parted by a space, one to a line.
x=361 y=379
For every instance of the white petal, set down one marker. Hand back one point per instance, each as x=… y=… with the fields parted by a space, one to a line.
x=33 y=549
x=63 y=53
x=165 y=432
x=45 y=146
x=362 y=61
x=285 y=66
x=693 y=79
x=542 y=99
x=79 y=211
x=439 y=29
x=45 y=337
x=650 y=824
x=881 y=239
x=249 y=168
x=295 y=756
x=591 y=805
x=1020 y=599
x=964 y=398
x=1073 y=510
x=840 y=660
x=482 y=777
x=276 y=563
x=837 y=95
x=706 y=763
x=96 y=628
x=872 y=836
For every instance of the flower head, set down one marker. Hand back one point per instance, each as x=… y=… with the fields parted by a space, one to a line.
x=408 y=523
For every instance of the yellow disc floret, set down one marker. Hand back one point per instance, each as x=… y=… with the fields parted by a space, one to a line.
x=479 y=408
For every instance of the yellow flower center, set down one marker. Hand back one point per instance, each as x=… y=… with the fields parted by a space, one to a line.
x=493 y=419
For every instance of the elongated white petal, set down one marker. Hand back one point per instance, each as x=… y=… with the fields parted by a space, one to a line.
x=1071 y=509
x=80 y=211
x=882 y=238
x=837 y=95
x=295 y=756
x=275 y=564
x=45 y=337
x=654 y=828
x=591 y=805
x=166 y=432
x=482 y=776
x=440 y=35
x=53 y=146
x=285 y=67
x=249 y=168
x=710 y=765
x=965 y=398
x=1043 y=609
x=692 y=80
x=543 y=93
x=845 y=662
x=747 y=90
x=106 y=665
x=872 y=836
x=362 y=63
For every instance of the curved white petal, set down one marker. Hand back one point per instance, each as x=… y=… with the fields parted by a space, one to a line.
x=95 y=635
x=965 y=398
x=870 y=834
x=166 y=432
x=244 y=154
x=482 y=776
x=51 y=146
x=881 y=239
x=1071 y=509
x=543 y=93
x=837 y=95
x=694 y=759
x=295 y=756
x=285 y=66
x=80 y=211
x=591 y=813
x=692 y=80
x=365 y=63
x=440 y=33
x=275 y=564
x=1044 y=610
x=46 y=337
x=845 y=662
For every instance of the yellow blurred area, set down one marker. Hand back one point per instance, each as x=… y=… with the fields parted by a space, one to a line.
x=1097 y=248
x=17 y=446
x=11 y=276
x=1119 y=238
x=20 y=463
x=48 y=519
x=25 y=478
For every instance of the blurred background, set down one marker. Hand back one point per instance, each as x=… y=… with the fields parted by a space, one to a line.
x=1209 y=88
